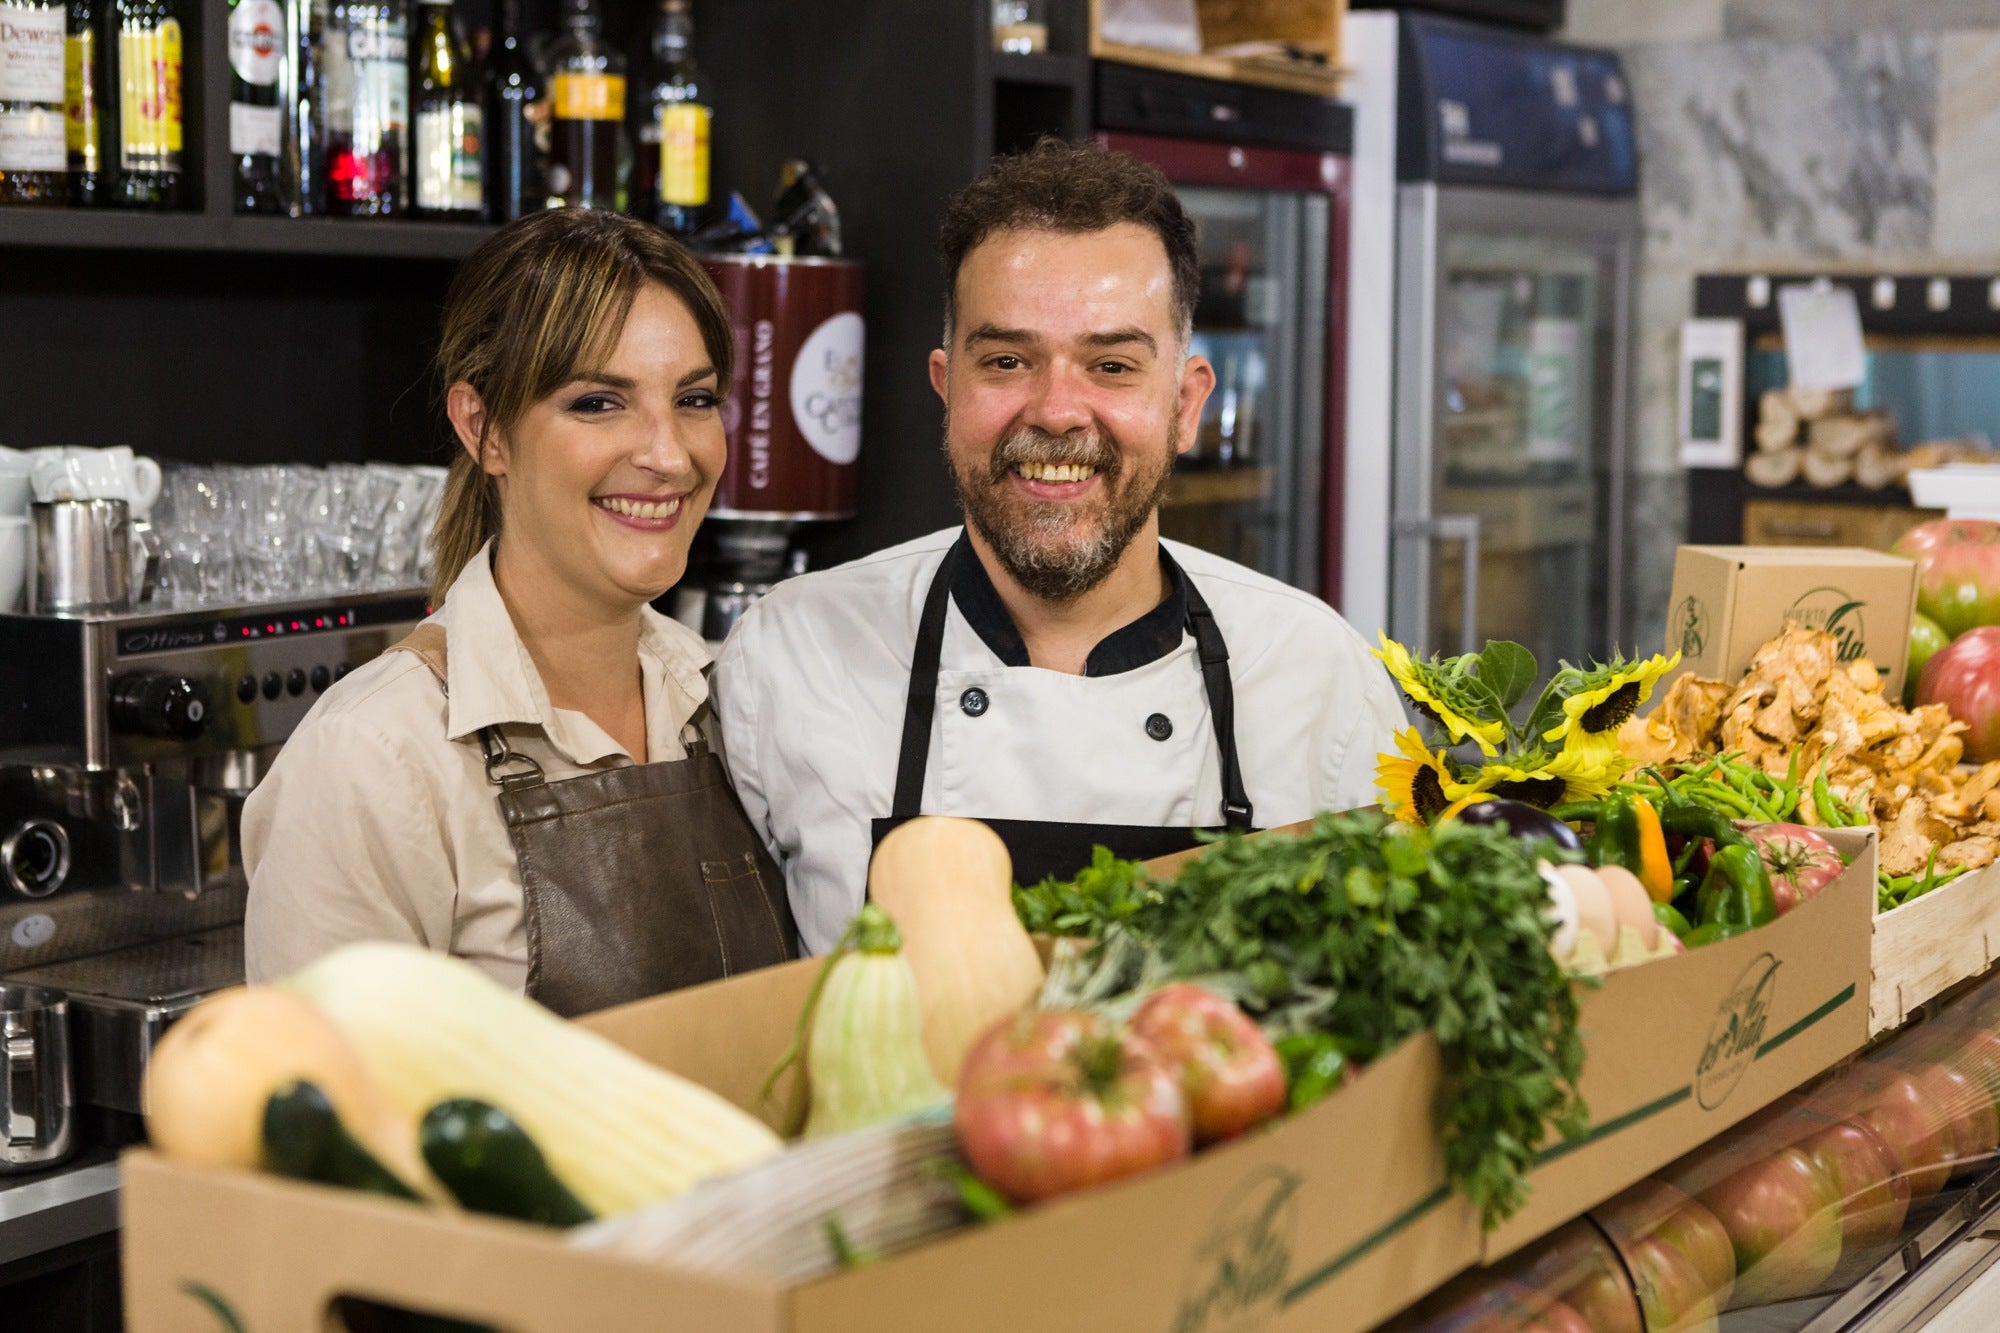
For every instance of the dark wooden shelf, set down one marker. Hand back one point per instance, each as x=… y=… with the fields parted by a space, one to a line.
x=101 y=229
x=1849 y=494
x=1043 y=67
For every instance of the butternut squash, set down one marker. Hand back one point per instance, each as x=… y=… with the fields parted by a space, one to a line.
x=947 y=883
x=211 y=1076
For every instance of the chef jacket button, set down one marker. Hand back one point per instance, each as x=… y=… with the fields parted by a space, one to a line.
x=973 y=702
x=1159 y=726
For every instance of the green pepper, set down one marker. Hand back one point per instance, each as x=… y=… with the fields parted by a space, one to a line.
x=1691 y=819
x=1669 y=916
x=1736 y=894
x=1628 y=833
x=1315 y=1063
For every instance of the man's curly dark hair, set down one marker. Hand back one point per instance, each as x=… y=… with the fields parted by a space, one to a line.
x=1075 y=188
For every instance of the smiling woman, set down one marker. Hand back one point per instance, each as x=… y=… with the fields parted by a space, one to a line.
x=526 y=781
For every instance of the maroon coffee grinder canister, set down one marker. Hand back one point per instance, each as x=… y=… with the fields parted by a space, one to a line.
x=794 y=408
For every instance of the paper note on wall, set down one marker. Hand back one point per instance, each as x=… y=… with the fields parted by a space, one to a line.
x=1823 y=343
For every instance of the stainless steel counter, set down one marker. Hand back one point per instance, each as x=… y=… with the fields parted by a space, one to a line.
x=69 y=1203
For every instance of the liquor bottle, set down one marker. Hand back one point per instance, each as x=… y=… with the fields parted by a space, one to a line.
x=587 y=87
x=142 y=105
x=257 y=49
x=364 y=87
x=447 y=176
x=34 y=154
x=517 y=123
x=83 y=103
x=302 y=102
x=670 y=173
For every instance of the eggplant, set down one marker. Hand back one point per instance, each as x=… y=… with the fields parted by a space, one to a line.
x=1523 y=821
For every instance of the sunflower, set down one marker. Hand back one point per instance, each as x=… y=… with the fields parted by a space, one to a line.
x=1588 y=771
x=1438 y=698
x=1414 y=787
x=1524 y=778
x=1598 y=702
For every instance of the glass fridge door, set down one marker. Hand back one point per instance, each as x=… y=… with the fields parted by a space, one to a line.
x=1252 y=486
x=1513 y=495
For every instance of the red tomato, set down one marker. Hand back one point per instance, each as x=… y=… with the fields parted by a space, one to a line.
x=1653 y=1208
x=1054 y=1100
x=1672 y=1295
x=1909 y=1119
x=1232 y=1075
x=1874 y=1196
x=1965 y=678
x=1958 y=571
x=1800 y=860
x=1783 y=1217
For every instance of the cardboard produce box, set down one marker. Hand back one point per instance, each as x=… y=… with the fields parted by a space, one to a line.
x=1730 y=600
x=1329 y=1220
x=1681 y=1049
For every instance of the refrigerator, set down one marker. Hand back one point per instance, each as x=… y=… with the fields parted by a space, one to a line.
x=1495 y=235
x=1265 y=175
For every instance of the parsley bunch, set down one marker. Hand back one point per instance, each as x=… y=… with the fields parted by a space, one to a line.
x=1369 y=932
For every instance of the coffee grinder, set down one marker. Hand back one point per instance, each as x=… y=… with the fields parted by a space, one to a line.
x=793 y=416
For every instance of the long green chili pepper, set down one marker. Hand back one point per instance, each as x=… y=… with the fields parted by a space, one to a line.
x=1823 y=803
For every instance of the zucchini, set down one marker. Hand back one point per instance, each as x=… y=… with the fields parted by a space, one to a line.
x=490 y=1165
x=304 y=1139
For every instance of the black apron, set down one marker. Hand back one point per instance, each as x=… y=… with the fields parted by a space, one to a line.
x=634 y=880
x=1041 y=848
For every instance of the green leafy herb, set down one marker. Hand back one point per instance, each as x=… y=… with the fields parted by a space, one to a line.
x=1368 y=932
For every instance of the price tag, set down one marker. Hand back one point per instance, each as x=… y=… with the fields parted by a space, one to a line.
x=1823 y=342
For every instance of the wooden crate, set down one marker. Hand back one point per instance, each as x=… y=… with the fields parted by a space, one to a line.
x=1312 y=25
x=1926 y=947
x=1809 y=523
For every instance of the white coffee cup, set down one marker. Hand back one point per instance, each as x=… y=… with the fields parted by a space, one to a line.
x=13 y=560
x=73 y=473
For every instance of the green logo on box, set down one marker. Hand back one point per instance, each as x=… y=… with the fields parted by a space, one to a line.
x=1236 y=1281
x=1838 y=614
x=1738 y=1031
x=1690 y=626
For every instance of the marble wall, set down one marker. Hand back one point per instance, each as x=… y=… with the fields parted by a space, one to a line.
x=1825 y=133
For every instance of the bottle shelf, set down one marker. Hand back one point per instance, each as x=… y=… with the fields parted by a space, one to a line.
x=110 y=229
x=1041 y=67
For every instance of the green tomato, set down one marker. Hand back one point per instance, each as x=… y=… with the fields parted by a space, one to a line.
x=1926 y=638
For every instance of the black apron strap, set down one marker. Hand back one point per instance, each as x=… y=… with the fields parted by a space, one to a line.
x=1237 y=815
x=913 y=763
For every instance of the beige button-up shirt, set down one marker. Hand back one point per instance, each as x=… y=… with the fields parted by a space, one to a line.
x=377 y=820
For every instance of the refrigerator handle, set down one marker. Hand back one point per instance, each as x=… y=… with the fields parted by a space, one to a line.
x=1463 y=529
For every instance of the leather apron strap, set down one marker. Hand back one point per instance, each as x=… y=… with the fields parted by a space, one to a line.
x=1041 y=848
x=634 y=880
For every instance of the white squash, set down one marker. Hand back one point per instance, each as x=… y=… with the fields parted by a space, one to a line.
x=618 y=1131
x=865 y=1059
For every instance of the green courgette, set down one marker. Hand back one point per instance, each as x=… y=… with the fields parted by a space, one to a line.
x=490 y=1165
x=304 y=1139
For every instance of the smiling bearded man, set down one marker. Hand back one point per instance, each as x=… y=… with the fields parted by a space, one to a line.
x=1052 y=668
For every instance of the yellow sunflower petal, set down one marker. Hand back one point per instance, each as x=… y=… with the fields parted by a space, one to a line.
x=1602 y=707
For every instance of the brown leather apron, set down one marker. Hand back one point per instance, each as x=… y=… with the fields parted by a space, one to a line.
x=634 y=880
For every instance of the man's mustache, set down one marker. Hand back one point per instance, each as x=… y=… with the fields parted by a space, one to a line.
x=1032 y=445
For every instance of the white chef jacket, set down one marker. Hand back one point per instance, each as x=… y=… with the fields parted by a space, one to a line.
x=811 y=686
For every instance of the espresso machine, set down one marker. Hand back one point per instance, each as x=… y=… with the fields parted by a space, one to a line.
x=127 y=742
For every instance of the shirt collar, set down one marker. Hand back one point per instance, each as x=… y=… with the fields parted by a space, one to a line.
x=492 y=681
x=1146 y=640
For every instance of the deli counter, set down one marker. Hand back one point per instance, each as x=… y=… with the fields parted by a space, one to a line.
x=1828 y=1238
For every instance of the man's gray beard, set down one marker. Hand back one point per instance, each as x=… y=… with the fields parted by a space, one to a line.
x=1029 y=545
